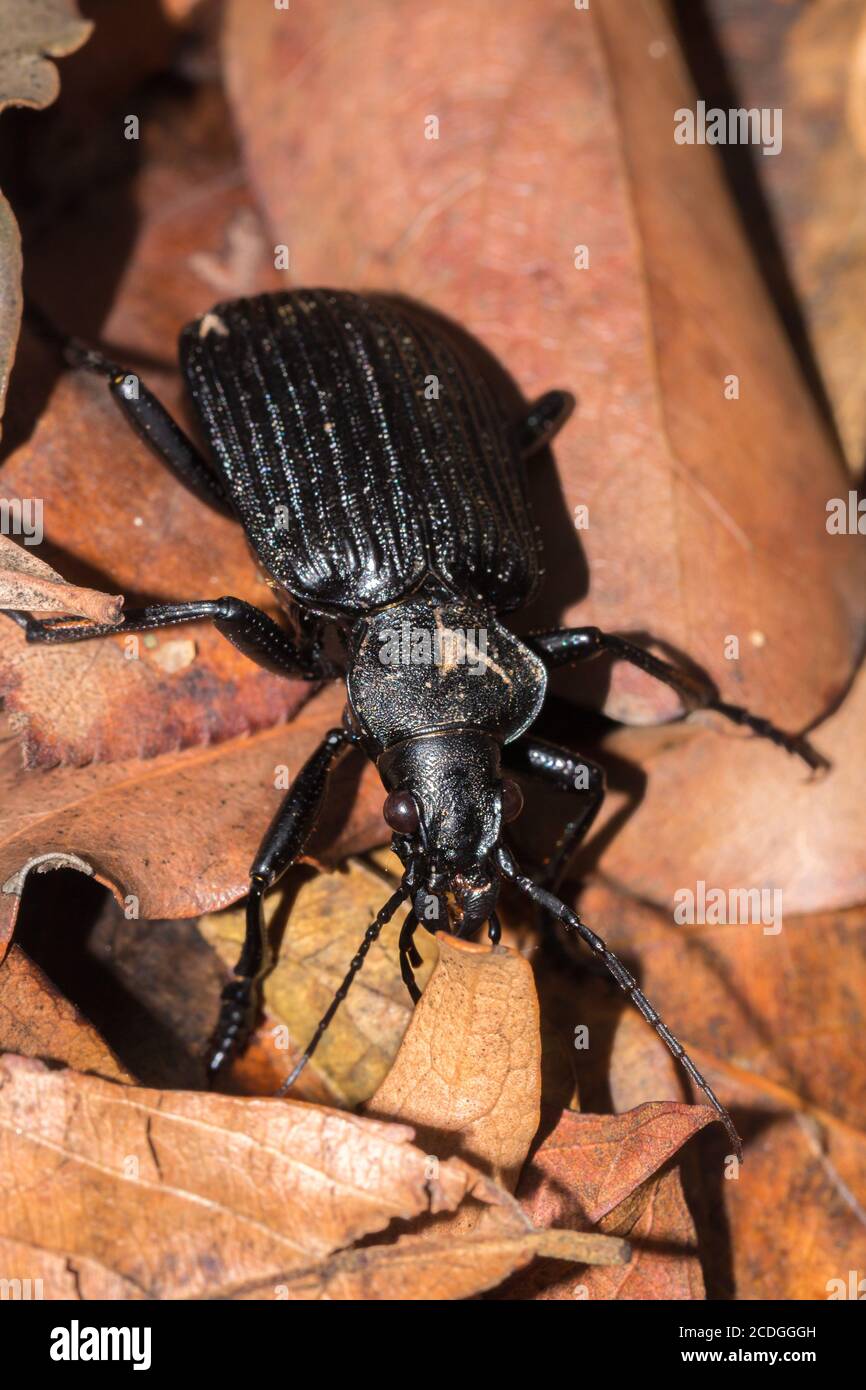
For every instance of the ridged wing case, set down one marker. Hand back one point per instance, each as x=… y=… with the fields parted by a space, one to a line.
x=360 y=450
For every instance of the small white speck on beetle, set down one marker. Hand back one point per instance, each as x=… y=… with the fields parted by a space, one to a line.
x=212 y=323
x=757 y=638
x=138 y=521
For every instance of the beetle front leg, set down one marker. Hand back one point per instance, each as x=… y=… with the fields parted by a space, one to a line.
x=568 y=772
x=283 y=842
x=246 y=627
x=567 y=646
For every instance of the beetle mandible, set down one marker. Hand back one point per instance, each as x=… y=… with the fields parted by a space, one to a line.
x=399 y=514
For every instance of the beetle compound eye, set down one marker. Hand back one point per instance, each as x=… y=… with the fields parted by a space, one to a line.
x=512 y=800
x=401 y=812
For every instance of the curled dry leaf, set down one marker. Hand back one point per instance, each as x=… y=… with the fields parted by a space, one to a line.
x=179 y=1194
x=707 y=513
x=26 y=582
x=610 y=1169
x=37 y=1021
x=30 y=35
x=468 y=1073
x=322 y=922
x=10 y=294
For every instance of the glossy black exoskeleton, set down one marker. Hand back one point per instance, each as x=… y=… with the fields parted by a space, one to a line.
x=382 y=489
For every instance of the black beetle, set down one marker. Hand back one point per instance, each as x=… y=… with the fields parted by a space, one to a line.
x=382 y=489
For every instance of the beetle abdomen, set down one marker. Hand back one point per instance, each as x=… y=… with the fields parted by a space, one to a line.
x=360 y=451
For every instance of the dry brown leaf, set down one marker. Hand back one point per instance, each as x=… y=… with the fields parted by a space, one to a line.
x=700 y=802
x=176 y=833
x=37 y=1021
x=31 y=35
x=10 y=294
x=26 y=582
x=594 y=1163
x=706 y=514
x=460 y=1267
x=322 y=922
x=468 y=1073
x=180 y=1194
x=810 y=61
x=610 y=1169
x=769 y=1020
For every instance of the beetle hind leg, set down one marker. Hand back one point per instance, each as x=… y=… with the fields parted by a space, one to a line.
x=543 y=421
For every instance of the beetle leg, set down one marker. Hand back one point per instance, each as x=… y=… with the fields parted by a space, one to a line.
x=410 y=956
x=543 y=420
x=283 y=842
x=246 y=627
x=566 y=646
x=147 y=415
x=568 y=772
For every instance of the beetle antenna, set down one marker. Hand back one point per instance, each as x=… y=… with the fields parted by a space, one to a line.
x=383 y=916
x=626 y=981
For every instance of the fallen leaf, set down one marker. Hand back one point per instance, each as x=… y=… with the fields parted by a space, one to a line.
x=10 y=294
x=176 y=834
x=26 y=582
x=769 y=1020
x=413 y=1268
x=321 y=923
x=32 y=34
x=37 y=1021
x=180 y=1194
x=610 y=1169
x=593 y=1163
x=468 y=1073
x=809 y=60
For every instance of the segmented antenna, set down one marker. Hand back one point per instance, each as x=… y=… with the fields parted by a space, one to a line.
x=623 y=977
x=383 y=917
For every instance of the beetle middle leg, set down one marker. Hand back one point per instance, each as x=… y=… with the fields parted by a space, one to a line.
x=282 y=844
x=245 y=626
x=567 y=646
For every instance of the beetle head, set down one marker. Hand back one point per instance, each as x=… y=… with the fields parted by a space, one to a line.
x=446 y=804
